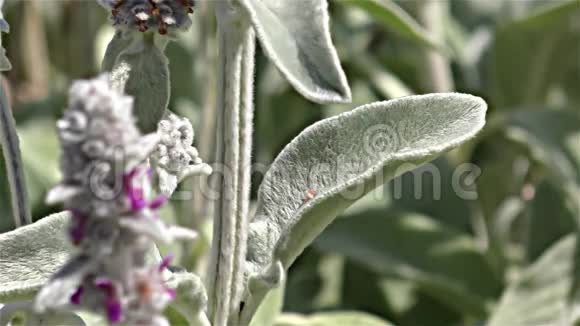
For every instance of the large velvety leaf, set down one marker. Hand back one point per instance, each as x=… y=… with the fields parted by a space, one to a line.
x=541 y=295
x=331 y=319
x=336 y=161
x=393 y=17
x=31 y=254
x=552 y=35
x=442 y=261
x=295 y=36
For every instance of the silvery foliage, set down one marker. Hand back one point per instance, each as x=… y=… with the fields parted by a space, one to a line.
x=335 y=162
x=295 y=35
x=303 y=191
x=174 y=157
x=143 y=29
x=107 y=186
x=29 y=258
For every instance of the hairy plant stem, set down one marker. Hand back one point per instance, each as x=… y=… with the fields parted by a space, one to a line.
x=13 y=160
x=205 y=131
x=235 y=113
x=438 y=77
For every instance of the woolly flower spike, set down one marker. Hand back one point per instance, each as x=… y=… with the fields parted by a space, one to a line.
x=175 y=158
x=99 y=139
x=107 y=187
x=142 y=15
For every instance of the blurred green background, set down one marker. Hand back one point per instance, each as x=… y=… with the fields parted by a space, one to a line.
x=435 y=258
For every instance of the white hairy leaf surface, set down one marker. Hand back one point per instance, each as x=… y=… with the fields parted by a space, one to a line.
x=335 y=162
x=295 y=35
x=31 y=254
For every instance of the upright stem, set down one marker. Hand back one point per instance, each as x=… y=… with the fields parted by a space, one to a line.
x=205 y=138
x=235 y=110
x=438 y=77
x=13 y=160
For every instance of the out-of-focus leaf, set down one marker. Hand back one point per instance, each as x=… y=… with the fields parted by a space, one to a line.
x=191 y=298
x=31 y=254
x=361 y=291
x=443 y=262
x=550 y=219
x=296 y=37
x=499 y=159
x=39 y=147
x=148 y=83
x=304 y=283
x=541 y=294
x=389 y=14
x=275 y=121
x=40 y=151
x=384 y=81
x=331 y=319
x=435 y=189
x=24 y=310
x=531 y=53
x=140 y=67
x=553 y=138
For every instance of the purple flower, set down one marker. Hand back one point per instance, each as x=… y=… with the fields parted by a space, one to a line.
x=165 y=263
x=143 y=15
x=114 y=310
x=134 y=193
x=76 y=297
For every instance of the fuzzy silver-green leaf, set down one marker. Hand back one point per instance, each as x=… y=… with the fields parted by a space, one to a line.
x=335 y=162
x=295 y=35
x=31 y=254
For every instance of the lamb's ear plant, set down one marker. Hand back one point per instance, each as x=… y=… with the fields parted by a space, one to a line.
x=337 y=161
x=118 y=175
x=143 y=30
